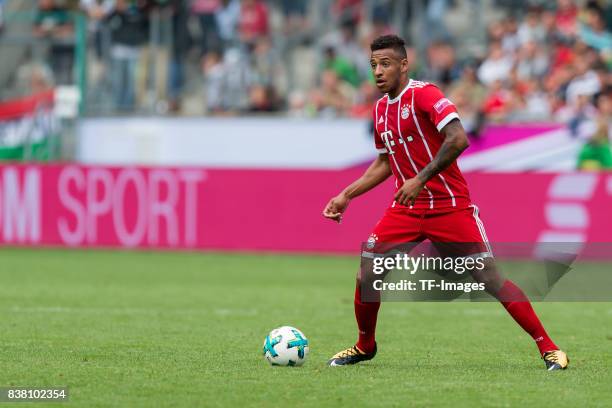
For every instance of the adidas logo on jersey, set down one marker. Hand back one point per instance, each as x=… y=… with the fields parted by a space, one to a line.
x=380 y=120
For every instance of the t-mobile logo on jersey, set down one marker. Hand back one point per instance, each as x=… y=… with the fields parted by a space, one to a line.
x=387 y=138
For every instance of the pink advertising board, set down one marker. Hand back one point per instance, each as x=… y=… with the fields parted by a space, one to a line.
x=275 y=210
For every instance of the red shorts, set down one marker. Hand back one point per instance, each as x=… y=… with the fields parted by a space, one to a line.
x=458 y=230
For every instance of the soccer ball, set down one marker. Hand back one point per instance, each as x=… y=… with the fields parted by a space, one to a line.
x=286 y=346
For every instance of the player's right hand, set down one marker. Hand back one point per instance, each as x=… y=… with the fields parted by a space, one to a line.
x=336 y=206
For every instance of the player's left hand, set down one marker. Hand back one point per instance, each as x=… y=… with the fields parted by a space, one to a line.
x=409 y=191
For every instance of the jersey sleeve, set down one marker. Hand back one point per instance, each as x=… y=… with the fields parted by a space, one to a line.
x=380 y=146
x=432 y=103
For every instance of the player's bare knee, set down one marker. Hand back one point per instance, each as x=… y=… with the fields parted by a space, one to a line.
x=490 y=276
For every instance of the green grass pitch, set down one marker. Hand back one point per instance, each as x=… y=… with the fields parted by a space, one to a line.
x=144 y=329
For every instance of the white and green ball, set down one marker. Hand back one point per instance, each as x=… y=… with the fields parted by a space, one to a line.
x=286 y=346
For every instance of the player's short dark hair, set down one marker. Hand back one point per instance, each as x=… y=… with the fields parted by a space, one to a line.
x=389 y=41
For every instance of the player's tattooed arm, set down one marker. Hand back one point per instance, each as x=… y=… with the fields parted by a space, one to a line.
x=378 y=172
x=455 y=142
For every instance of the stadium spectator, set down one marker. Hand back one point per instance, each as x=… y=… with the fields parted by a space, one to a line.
x=53 y=23
x=266 y=71
x=227 y=17
x=566 y=18
x=542 y=65
x=434 y=14
x=534 y=104
x=509 y=36
x=381 y=11
x=469 y=95
x=593 y=32
x=213 y=72
x=235 y=81
x=366 y=96
x=34 y=78
x=253 y=21
x=495 y=31
x=1 y=15
x=96 y=12
x=585 y=82
x=52 y=20
x=205 y=11
x=295 y=13
x=333 y=98
x=262 y=99
x=264 y=62
x=348 y=10
x=583 y=112
x=380 y=22
x=297 y=105
x=128 y=30
x=347 y=46
x=496 y=67
x=416 y=67
x=550 y=28
x=500 y=102
x=532 y=29
x=561 y=55
x=595 y=153
x=442 y=68
x=532 y=62
x=181 y=40
x=341 y=66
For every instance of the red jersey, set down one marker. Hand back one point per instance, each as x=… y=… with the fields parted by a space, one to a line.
x=408 y=127
x=253 y=20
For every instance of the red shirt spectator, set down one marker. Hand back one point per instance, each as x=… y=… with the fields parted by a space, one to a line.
x=565 y=18
x=498 y=102
x=205 y=6
x=253 y=21
x=348 y=10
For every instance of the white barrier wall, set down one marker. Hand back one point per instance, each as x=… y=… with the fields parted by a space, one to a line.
x=226 y=142
x=285 y=143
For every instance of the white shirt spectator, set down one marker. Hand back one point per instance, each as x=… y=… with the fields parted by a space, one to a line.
x=532 y=62
x=227 y=19
x=585 y=84
x=537 y=107
x=104 y=6
x=96 y=10
x=531 y=30
x=496 y=67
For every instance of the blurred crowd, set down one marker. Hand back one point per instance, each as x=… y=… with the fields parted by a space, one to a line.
x=551 y=64
x=1 y=14
x=539 y=61
x=148 y=55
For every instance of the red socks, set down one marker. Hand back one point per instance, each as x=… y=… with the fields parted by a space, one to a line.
x=517 y=304
x=366 y=314
x=510 y=296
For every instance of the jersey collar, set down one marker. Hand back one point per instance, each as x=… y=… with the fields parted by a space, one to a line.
x=398 y=97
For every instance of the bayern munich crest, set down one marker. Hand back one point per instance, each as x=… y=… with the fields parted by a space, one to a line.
x=371 y=241
x=405 y=112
